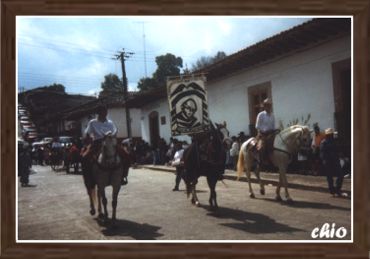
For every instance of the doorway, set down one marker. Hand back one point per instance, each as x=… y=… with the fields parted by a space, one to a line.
x=342 y=98
x=256 y=95
x=154 y=128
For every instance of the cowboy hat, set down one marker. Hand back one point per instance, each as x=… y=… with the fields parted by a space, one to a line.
x=267 y=101
x=329 y=131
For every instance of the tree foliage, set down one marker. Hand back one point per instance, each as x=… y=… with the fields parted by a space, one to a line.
x=167 y=65
x=111 y=85
x=54 y=88
x=204 y=61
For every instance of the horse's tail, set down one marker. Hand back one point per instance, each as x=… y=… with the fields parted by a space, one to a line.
x=240 y=165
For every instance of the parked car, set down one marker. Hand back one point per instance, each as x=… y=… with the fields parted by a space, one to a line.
x=65 y=140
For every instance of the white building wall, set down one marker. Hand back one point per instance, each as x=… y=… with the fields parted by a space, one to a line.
x=160 y=106
x=301 y=84
x=118 y=116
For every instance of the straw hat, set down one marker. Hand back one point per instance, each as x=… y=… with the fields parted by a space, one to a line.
x=329 y=131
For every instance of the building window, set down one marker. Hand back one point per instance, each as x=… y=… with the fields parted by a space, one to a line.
x=256 y=95
x=163 y=120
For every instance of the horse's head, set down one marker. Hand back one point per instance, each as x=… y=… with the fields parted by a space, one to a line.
x=109 y=148
x=224 y=134
x=299 y=137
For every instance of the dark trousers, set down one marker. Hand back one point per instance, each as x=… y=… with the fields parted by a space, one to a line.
x=24 y=175
x=179 y=174
x=338 y=184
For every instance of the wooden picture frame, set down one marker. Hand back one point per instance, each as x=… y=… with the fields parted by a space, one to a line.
x=358 y=249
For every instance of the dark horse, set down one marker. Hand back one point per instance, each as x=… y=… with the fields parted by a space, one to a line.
x=206 y=157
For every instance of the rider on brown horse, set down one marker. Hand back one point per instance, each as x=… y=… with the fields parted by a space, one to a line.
x=96 y=129
x=265 y=125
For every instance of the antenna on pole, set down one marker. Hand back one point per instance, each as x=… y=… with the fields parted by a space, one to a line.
x=144 y=36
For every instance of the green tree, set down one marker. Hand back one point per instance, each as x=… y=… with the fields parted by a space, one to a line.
x=147 y=83
x=55 y=88
x=204 y=61
x=111 y=86
x=167 y=65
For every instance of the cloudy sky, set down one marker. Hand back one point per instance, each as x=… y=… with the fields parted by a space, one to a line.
x=78 y=51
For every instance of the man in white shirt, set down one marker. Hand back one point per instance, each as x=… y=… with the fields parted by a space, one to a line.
x=98 y=127
x=234 y=152
x=265 y=125
x=178 y=163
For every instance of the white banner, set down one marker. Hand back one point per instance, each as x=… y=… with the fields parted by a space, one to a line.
x=187 y=98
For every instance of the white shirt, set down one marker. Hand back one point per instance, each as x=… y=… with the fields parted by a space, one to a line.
x=97 y=129
x=265 y=121
x=234 y=149
x=177 y=157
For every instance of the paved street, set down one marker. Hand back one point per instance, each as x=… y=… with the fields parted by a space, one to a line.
x=57 y=208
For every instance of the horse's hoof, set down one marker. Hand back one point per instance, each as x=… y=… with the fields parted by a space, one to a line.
x=92 y=212
x=289 y=201
x=252 y=195
x=278 y=198
x=197 y=203
x=101 y=216
x=262 y=191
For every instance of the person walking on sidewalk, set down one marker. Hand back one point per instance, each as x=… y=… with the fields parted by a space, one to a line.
x=178 y=163
x=234 y=152
x=331 y=163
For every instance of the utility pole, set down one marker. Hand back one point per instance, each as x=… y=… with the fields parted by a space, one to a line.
x=122 y=55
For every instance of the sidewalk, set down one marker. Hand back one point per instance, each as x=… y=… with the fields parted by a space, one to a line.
x=296 y=181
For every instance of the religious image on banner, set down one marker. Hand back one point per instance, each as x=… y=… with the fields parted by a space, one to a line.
x=187 y=99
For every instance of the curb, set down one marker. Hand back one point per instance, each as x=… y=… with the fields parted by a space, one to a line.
x=253 y=180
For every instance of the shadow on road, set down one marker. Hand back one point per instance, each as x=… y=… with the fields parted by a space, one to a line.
x=308 y=204
x=250 y=222
x=130 y=228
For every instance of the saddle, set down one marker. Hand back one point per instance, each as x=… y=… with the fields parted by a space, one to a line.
x=262 y=147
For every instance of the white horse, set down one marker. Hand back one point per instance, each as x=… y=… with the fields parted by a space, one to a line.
x=108 y=170
x=287 y=144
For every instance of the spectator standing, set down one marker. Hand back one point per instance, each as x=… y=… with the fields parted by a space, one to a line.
x=234 y=152
x=178 y=163
x=316 y=141
x=24 y=163
x=331 y=163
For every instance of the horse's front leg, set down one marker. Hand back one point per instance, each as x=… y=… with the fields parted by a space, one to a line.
x=194 y=198
x=262 y=186
x=103 y=198
x=285 y=183
x=280 y=183
x=116 y=189
x=92 y=196
x=213 y=196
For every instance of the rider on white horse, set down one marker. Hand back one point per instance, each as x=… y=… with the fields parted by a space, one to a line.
x=265 y=125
